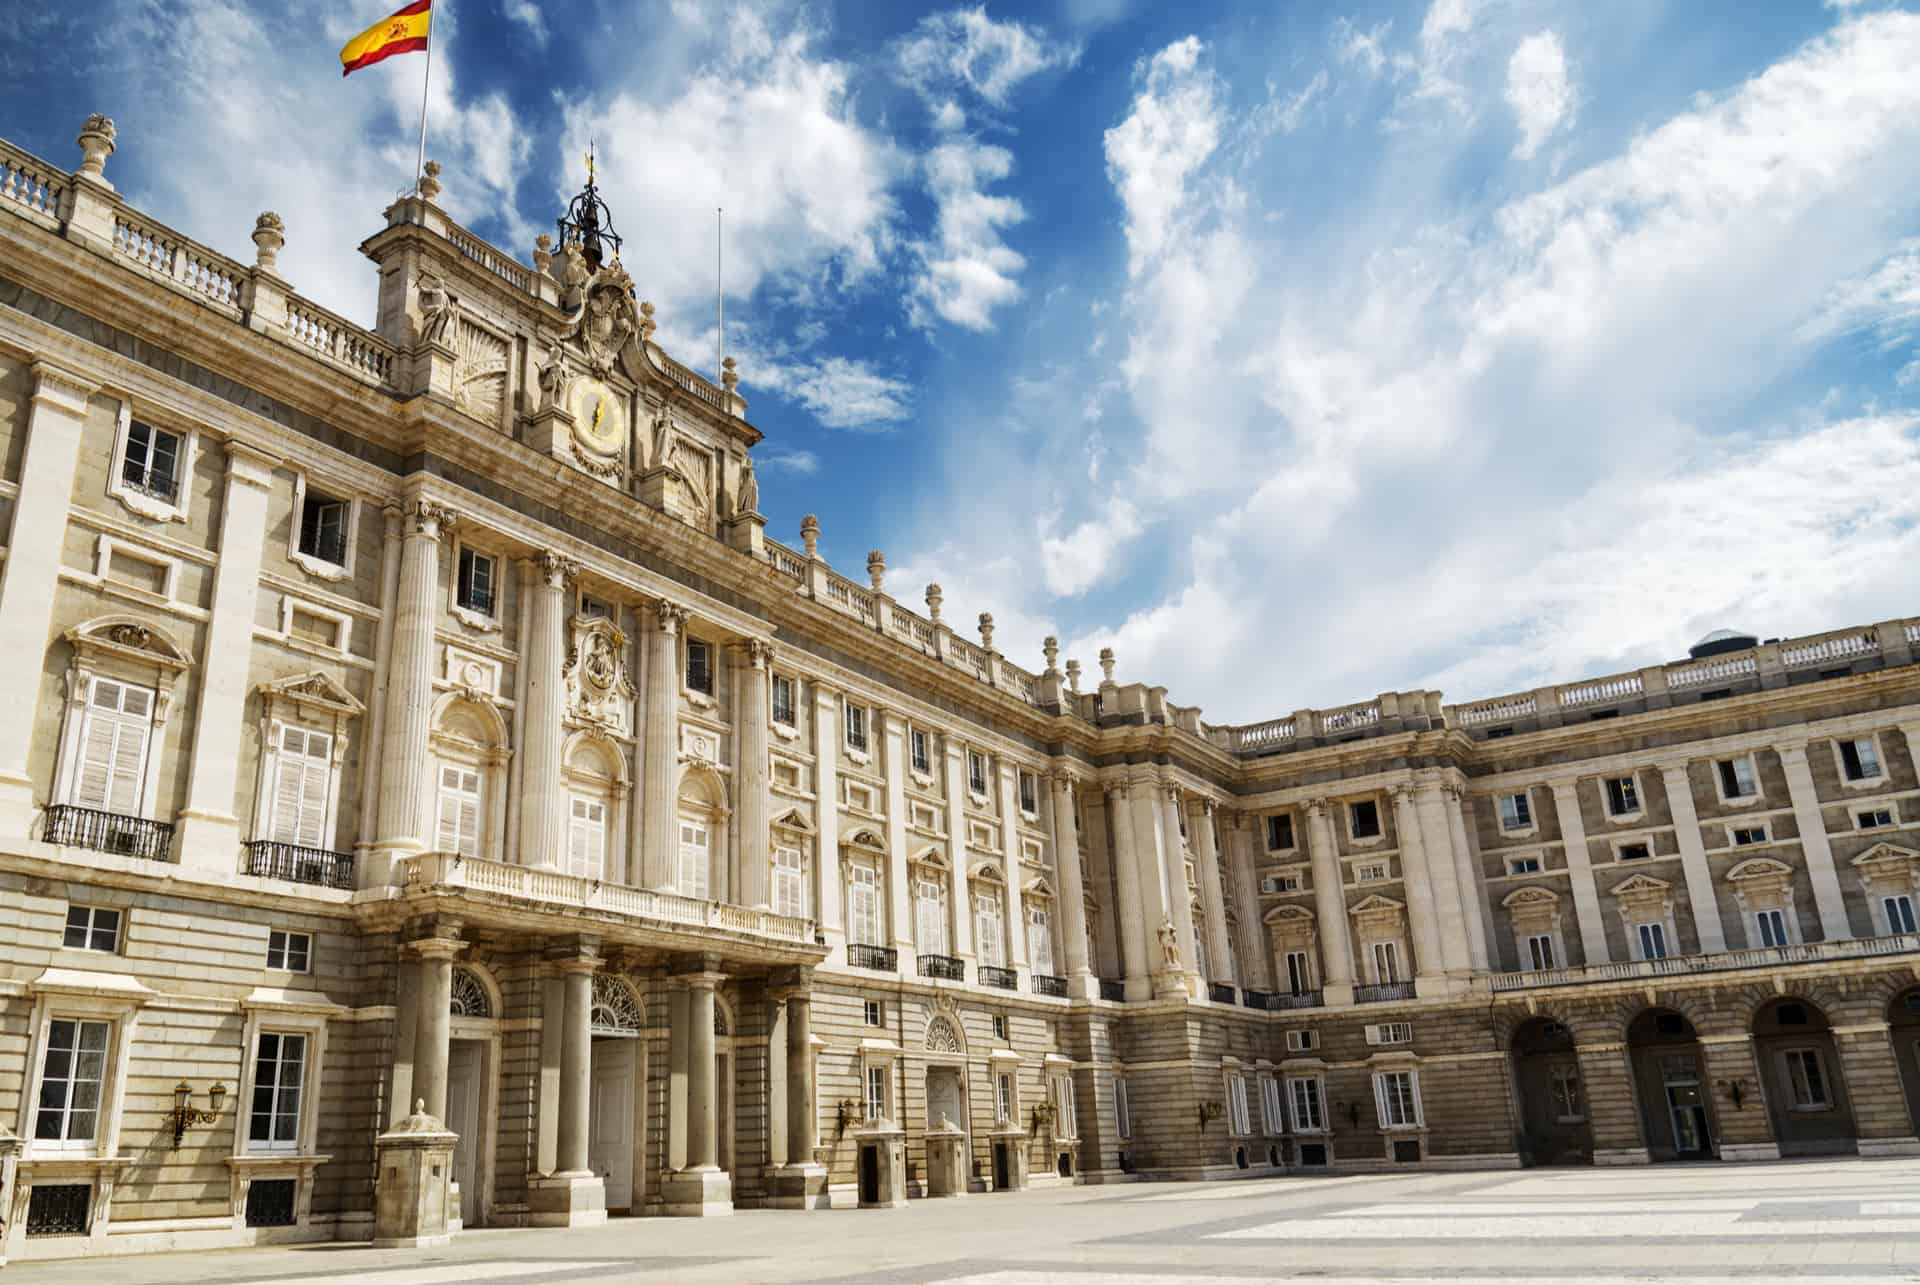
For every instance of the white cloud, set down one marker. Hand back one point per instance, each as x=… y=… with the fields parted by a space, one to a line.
x=1538 y=90
x=788 y=459
x=968 y=271
x=1174 y=125
x=966 y=47
x=1075 y=561
x=839 y=392
x=529 y=15
x=1365 y=49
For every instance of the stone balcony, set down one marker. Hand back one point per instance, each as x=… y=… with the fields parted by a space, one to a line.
x=1721 y=962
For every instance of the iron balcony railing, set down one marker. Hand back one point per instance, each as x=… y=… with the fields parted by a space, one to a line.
x=1382 y=993
x=1003 y=978
x=317 y=866
x=1113 y=991
x=1295 y=999
x=884 y=958
x=1221 y=992
x=109 y=832
x=1045 y=985
x=1254 y=999
x=944 y=967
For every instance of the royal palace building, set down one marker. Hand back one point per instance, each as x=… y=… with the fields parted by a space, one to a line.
x=413 y=729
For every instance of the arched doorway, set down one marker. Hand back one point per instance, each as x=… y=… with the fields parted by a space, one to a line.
x=617 y=1091
x=1793 y=1047
x=1553 y=1101
x=1676 y=1116
x=1903 y=1028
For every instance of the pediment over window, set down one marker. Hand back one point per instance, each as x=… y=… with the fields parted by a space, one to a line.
x=795 y=820
x=1288 y=915
x=1376 y=905
x=1530 y=897
x=1887 y=854
x=1641 y=886
x=931 y=857
x=127 y=639
x=316 y=692
x=1036 y=887
x=1759 y=868
x=986 y=869
x=862 y=837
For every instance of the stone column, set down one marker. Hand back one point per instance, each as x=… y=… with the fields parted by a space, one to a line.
x=1813 y=841
x=1451 y=898
x=890 y=732
x=658 y=811
x=1330 y=908
x=29 y=579
x=1256 y=958
x=959 y=894
x=374 y=730
x=1870 y=1064
x=1213 y=901
x=209 y=830
x=776 y=1083
x=1422 y=920
x=702 y=1188
x=1586 y=901
x=543 y=803
x=801 y=1183
x=1606 y=1078
x=1066 y=867
x=826 y=771
x=1132 y=928
x=1693 y=858
x=433 y=1021
x=751 y=801
x=1010 y=868
x=1472 y=890
x=405 y=758
x=573 y=1195
x=1744 y=1132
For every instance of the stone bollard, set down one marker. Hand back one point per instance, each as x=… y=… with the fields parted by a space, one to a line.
x=413 y=1195
x=946 y=1159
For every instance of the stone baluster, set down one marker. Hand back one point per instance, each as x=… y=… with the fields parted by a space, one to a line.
x=543 y=805
x=659 y=824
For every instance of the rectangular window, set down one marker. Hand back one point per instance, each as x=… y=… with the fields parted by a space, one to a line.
x=1122 y=1109
x=1003 y=1098
x=1516 y=813
x=1029 y=793
x=1899 y=913
x=989 y=931
x=1270 y=1118
x=1385 y=956
x=1040 y=940
x=976 y=772
x=1653 y=940
x=789 y=882
x=1364 y=819
x=875 y=1012
x=323 y=527
x=1860 y=760
x=1770 y=926
x=857 y=728
x=1874 y=818
x=1523 y=866
x=863 y=905
x=113 y=748
x=699 y=667
x=783 y=700
x=1237 y=1105
x=930 y=916
x=459 y=830
x=922 y=758
x=292 y=952
x=594 y=609
x=1001 y=1027
x=696 y=847
x=71 y=1083
x=1066 y=1116
x=1808 y=1079
x=1540 y=951
x=1299 y=972
x=1304 y=1097
x=1399 y=1104
x=1374 y=873
x=1634 y=852
x=303 y=774
x=587 y=838
x=152 y=463
x=1280 y=832
x=1565 y=1089
x=876 y=1092
x=1745 y=836
x=1623 y=798
x=92 y=928
x=1736 y=778
x=474 y=588
x=1389 y=1033
x=279 y=1074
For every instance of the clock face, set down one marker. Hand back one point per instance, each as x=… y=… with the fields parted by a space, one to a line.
x=598 y=418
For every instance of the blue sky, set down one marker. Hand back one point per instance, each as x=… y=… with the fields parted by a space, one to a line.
x=1297 y=351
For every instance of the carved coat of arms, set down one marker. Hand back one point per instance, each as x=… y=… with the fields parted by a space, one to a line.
x=598 y=690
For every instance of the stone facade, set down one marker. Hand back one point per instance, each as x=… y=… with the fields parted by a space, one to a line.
x=416 y=726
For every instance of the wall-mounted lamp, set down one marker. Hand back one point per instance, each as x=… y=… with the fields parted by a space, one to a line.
x=1353 y=1113
x=849 y=1112
x=183 y=1112
x=1042 y=1117
x=1210 y=1111
x=1734 y=1089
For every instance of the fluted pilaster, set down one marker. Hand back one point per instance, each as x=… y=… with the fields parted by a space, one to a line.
x=405 y=759
x=657 y=824
x=752 y=662
x=543 y=805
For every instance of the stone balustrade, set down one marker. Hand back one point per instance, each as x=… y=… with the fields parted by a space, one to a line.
x=31 y=187
x=1719 y=962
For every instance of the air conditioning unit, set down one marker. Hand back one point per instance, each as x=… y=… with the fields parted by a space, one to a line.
x=1302 y=1041
x=1390 y=1033
x=1279 y=883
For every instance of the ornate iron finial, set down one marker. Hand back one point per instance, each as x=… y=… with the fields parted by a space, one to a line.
x=588 y=223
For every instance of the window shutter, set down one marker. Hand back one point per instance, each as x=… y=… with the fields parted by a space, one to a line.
x=693 y=859
x=931 y=930
x=113 y=748
x=1040 y=941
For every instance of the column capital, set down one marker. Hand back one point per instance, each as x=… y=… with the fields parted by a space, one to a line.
x=430 y=518
x=248 y=463
x=557 y=569
x=1402 y=792
x=581 y=963
x=1793 y=749
x=700 y=969
x=1672 y=767
x=1114 y=789
x=757 y=652
x=1563 y=786
x=795 y=982
x=670 y=617
x=61 y=386
x=1317 y=808
x=436 y=947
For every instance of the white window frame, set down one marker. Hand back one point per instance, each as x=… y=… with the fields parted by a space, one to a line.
x=305 y=1018
x=1239 y=1119
x=114 y=998
x=930 y=913
x=1006 y=1094
x=792 y=722
x=273 y=1145
x=441 y=796
x=1022 y=779
x=1532 y=946
x=81 y=718
x=865 y=874
x=287 y=939
x=473 y=617
x=274 y=825
x=1893 y=822
x=1395 y=956
x=320 y=568
x=1639 y=808
x=792 y=888
x=1637 y=934
x=1766 y=834
x=588 y=838
x=1795 y=1084
x=873 y=1012
x=1515 y=864
x=990 y=948
x=1272 y=1114
x=1301 y=976
x=1885 y=907
x=90 y=928
x=1643 y=841
x=1872 y=741
x=695 y=880
x=1039 y=928
x=1308 y=1091
x=920 y=753
x=1361 y=869
x=853 y=713
x=80 y=1026
x=982 y=786
x=1002 y=1028
x=136 y=500
x=1379 y=821
x=699 y=695
x=1758 y=927
x=1383 y=1099
x=1509 y=806
x=1066 y=1117
x=1122 y=1108
x=1738 y=800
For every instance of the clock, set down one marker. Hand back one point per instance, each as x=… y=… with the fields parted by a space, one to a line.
x=599 y=418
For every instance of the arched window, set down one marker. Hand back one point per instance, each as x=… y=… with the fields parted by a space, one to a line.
x=702 y=813
x=594 y=782
x=616 y=1009
x=470 y=998
x=469 y=758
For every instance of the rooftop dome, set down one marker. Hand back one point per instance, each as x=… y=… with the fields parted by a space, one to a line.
x=1721 y=641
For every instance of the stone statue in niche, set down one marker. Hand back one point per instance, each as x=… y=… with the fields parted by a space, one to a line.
x=597 y=687
x=749 y=488
x=1169 y=945
x=438 y=309
x=553 y=378
x=665 y=442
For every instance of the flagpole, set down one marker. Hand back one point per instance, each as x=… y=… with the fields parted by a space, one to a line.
x=719 y=291
x=426 y=79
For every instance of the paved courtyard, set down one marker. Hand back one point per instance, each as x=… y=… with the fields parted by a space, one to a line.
x=1834 y=1222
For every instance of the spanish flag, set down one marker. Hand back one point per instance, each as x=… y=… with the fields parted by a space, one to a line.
x=403 y=33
